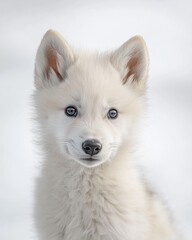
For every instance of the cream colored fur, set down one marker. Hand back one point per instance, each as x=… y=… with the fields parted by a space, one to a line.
x=93 y=200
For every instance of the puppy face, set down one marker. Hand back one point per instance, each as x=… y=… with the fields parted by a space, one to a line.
x=88 y=111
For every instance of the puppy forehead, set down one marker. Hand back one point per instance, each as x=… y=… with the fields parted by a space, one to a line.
x=93 y=82
x=92 y=70
x=94 y=75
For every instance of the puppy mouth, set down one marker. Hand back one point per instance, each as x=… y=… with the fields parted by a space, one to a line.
x=90 y=159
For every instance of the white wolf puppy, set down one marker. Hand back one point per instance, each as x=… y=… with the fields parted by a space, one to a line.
x=88 y=109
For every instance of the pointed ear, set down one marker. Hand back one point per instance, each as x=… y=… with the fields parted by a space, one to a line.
x=131 y=60
x=54 y=56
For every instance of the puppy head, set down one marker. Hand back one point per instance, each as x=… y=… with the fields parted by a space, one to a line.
x=88 y=104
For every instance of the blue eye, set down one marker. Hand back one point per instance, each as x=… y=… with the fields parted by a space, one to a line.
x=112 y=113
x=71 y=111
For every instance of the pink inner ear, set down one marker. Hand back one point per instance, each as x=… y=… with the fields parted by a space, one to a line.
x=131 y=66
x=52 y=59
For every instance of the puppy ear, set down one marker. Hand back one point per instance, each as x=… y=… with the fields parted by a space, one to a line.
x=131 y=60
x=54 y=56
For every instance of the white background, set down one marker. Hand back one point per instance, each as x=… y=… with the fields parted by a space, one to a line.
x=167 y=141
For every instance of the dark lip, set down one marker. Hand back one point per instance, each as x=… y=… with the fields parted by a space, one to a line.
x=90 y=159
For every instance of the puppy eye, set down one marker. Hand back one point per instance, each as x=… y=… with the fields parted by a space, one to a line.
x=112 y=114
x=71 y=111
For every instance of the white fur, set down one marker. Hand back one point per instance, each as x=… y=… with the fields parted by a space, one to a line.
x=93 y=200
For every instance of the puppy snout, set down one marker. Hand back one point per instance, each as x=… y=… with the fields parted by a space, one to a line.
x=91 y=146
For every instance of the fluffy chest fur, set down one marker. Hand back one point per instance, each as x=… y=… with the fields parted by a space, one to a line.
x=98 y=204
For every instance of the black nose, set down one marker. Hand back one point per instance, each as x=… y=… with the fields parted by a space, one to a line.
x=91 y=146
